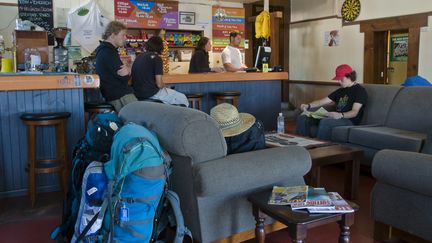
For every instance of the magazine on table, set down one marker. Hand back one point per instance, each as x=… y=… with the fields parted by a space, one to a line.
x=282 y=139
x=318 y=114
x=288 y=195
x=316 y=198
x=340 y=205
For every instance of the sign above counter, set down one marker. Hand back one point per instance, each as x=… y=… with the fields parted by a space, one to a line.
x=147 y=14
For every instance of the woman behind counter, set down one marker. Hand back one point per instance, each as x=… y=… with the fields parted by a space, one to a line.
x=200 y=59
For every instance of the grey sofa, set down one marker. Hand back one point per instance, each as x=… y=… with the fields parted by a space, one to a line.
x=402 y=196
x=395 y=117
x=213 y=186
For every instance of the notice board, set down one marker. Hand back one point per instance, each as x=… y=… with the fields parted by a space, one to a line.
x=147 y=14
x=224 y=21
x=39 y=12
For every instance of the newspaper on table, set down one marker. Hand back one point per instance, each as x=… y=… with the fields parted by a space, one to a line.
x=282 y=139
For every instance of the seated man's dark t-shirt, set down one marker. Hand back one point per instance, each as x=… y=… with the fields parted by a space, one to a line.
x=251 y=139
x=345 y=98
x=144 y=70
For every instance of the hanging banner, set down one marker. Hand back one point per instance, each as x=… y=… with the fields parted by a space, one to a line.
x=224 y=21
x=87 y=24
x=399 y=48
x=147 y=14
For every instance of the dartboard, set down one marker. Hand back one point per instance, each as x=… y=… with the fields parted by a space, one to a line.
x=350 y=10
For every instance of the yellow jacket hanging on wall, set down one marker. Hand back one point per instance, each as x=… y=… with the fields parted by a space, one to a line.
x=262 y=25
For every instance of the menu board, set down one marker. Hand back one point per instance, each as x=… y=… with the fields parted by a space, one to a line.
x=224 y=21
x=39 y=12
x=147 y=14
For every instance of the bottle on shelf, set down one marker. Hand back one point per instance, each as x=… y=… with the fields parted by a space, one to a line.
x=281 y=123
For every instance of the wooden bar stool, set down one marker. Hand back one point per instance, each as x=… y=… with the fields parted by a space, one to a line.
x=195 y=100
x=57 y=165
x=227 y=96
x=91 y=108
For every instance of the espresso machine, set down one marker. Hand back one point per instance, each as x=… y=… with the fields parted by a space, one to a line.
x=61 y=53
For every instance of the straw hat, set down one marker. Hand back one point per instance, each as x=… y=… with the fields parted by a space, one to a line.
x=230 y=121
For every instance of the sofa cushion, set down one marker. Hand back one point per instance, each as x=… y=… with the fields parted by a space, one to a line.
x=340 y=134
x=387 y=138
x=192 y=133
x=411 y=110
x=380 y=98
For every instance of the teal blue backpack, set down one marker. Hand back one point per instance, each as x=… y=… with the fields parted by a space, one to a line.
x=137 y=186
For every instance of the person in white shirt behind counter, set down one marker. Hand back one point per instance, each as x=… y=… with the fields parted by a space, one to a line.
x=231 y=55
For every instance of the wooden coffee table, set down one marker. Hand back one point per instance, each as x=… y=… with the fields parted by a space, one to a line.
x=335 y=154
x=298 y=222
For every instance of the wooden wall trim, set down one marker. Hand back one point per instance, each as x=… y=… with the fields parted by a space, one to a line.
x=395 y=22
x=413 y=51
x=316 y=19
x=325 y=83
x=9 y=4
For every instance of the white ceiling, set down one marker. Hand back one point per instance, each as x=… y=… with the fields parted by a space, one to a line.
x=243 y=1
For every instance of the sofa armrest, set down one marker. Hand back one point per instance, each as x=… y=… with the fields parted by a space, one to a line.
x=408 y=170
x=250 y=170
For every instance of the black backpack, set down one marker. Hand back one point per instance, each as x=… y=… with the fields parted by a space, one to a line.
x=94 y=146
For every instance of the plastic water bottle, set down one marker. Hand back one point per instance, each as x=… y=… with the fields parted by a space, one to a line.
x=281 y=123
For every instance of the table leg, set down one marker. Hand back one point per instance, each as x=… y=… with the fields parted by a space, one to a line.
x=344 y=225
x=259 y=226
x=315 y=176
x=297 y=233
x=352 y=173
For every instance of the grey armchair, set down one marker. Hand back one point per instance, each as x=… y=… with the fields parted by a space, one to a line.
x=211 y=185
x=402 y=196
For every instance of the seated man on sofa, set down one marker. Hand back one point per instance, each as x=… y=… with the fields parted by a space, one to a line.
x=349 y=99
x=242 y=132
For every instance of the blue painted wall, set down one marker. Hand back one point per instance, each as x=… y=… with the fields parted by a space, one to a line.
x=13 y=134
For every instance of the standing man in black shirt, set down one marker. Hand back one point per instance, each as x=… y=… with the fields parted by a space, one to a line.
x=350 y=100
x=147 y=71
x=113 y=74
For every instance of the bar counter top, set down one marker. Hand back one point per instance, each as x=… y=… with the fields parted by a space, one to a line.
x=47 y=81
x=22 y=81
x=223 y=77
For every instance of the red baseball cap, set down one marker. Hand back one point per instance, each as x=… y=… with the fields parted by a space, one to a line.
x=341 y=71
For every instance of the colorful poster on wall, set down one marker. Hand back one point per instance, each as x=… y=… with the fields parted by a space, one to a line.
x=399 y=48
x=147 y=14
x=224 y=21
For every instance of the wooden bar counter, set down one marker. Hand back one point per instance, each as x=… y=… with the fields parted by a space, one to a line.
x=21 y=93
x=260 y=92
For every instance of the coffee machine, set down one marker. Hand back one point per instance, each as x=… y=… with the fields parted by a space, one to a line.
x=61 y=53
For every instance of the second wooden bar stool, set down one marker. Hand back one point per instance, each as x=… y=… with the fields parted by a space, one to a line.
x=57 y=165
x=195 y=100
x=227 y=96
x=90 y=108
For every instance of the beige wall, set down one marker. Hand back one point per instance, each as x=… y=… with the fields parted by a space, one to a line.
x=310 y=59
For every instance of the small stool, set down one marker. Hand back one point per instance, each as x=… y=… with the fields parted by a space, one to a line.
x=227 y=96
x=195 y=100
x=58 y=165
x=90 y=108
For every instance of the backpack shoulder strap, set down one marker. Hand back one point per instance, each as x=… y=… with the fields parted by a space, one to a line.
x=181 y=230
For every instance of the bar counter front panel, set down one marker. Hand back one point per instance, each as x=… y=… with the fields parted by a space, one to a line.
x=260 y=92
x=37 y=93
